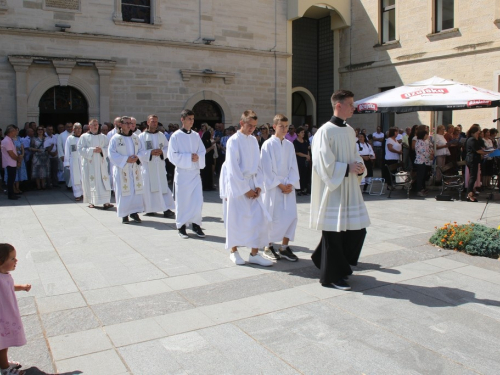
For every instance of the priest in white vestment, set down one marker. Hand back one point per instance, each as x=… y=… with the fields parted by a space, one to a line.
x=111 y=133
x=72 y=161
x=337 y=206
x=247 y=219
x=124 y=149
x=156 y=196
x=61 y=150
x=187 y=152
x=93 y=150
x=281 y=178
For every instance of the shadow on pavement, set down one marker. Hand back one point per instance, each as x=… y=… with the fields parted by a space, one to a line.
x=37 y=371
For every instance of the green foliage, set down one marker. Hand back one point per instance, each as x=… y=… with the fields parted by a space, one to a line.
x=473 y=239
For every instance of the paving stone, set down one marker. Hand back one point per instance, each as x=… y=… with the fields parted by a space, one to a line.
x=68 y=321
x=34 y=356
x=61 y=302
x=183 y=321
x=26 y=305
x=79 y=344
x=134 y=332
x=140 y=308
x=102 y=363
x=147 y=288
x=231 y=290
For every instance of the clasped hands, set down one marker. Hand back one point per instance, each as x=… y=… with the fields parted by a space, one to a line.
x=253 y=194
x=356 y=168
x=286 y=189
x=156 y=152
x=97 y=150
x=194 y=158
x=132 y=159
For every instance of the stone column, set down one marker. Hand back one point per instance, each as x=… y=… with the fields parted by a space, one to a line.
x=21 y=66
x=104 y=70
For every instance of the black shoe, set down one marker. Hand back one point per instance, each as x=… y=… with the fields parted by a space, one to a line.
x=169 y=214
x=125 y=220
x=288 y=255
x=270 y=253
x=150 y=214
x=136 y=218
x=341 y=284
x=182 y=232
x=197 y=230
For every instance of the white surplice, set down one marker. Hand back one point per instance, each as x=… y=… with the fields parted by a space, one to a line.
x=61 y=151
x=246 y=219
x=187 y=180
x=95 y=175
x=127 y=176
x=157 y=196
x=223 y=192
x=73 y=161
x=336 y=201
x=279 y=165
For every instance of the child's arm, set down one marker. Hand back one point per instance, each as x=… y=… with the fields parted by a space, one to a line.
x=25 y=287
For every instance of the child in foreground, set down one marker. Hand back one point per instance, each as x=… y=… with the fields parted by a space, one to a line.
x=11 y=326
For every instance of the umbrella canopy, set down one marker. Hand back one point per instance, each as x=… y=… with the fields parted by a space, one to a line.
x=434 y=94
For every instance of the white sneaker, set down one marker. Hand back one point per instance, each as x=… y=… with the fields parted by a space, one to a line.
x=258 y=259
x=236 y=259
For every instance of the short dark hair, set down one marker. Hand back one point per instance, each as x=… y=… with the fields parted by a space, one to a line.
x=232 y=128
x=5 y=250
x=340 y=95
x=300 y=129
x=421 y=134
x=186 y=112
x=393 y=131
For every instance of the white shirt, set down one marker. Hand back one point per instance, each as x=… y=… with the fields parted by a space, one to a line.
x=389 y=155
x=377 y=135
x=50 y=141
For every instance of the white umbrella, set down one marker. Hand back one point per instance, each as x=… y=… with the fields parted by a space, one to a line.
x=434 y=94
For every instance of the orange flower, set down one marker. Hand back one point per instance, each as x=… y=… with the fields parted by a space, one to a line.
x=443 y=240
x=461 y=243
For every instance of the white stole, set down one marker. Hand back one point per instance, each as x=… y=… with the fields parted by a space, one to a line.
x=136 y=177
x=73 y=149
x=104 y=165
x=152 y=164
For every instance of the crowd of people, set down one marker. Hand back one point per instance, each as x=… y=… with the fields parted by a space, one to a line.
x=257 y=184
x=419 y=151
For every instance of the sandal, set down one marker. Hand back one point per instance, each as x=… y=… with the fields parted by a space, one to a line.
x=12 y=371
x=107 y=206
x=15 y=364
x=78 y=199
x=471 y=199
x=91 y=206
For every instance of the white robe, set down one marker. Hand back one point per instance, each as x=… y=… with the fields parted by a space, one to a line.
x=187 y=180
x=279 y=165
x=110 y=135
x=61 y=151
x=246 y=219
x=336 y=201
x=157 y=196
x=73 y=161
x=128 y=198
x=95 y=175
x=223 y=192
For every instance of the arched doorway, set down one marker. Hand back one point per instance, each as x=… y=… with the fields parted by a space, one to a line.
x=207 y=111
x=61 y=104
x=303 y=109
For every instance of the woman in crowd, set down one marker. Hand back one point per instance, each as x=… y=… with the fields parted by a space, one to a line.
x=264 y=134
x=393 y=152
x=303 y=159
x=73 y=161
x=207 y=176
x=368 y=155
x=487 y=166
x=21 y=174
x=40 y=161
x=442 y=150
x=423 y=160
x=473 y=152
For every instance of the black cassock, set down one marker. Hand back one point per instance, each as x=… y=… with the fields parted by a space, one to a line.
x=337 y=252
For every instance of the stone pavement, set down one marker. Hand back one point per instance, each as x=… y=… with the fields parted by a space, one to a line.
x=111 y=299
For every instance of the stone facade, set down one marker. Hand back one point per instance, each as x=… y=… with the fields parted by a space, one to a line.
x=135 y=69
x=469 y=53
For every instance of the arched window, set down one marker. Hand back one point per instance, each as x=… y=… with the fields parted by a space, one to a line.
x=61 y=104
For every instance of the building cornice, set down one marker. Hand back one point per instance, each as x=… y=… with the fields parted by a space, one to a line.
x=414 y=58
x=139 y=41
